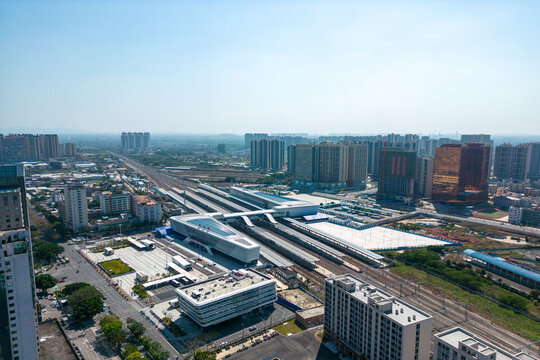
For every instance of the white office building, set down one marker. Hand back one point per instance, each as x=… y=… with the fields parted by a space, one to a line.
x=367 y=323
x=75 y=206
x=459 y=344
x=18 y=304
x=216 y=300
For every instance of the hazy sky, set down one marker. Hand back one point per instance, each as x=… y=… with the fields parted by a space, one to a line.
x=271 y=66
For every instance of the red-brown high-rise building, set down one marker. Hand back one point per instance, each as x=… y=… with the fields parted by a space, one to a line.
x=460 y=173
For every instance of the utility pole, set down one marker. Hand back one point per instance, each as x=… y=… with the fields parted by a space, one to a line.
x=400 y=289
x=444 y=299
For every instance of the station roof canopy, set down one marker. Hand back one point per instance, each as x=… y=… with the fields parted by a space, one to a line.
x=526 y=273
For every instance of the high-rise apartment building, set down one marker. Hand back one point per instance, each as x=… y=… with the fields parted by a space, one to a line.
x=135 y=140
x=301 y=161
x=18 y=304
x=221 y=148
x=248 y=138
x=424 y=176
x=460 y=173
x=484 y=139
x=268 y=154
x=18 y=148
x=510 y=162
x=329 y=166
x=70 y=149
x=332 y=164
x=397 y=170
x=367 y=323
x=533 y=164
x=75 y=206
x=49 y=146
x=358 y=166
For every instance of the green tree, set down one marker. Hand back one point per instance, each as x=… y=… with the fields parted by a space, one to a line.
x=46 y=250
x=204 y=355
x=71 y=288
x=85 y=302
x=45 y=281
x=135 y=356
x=55 y=165
x=130 y=349
x=107 y=319
x=515 y=301
x=114 y=333
x=136 y=327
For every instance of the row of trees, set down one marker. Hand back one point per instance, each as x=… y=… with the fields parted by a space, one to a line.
x=113 y=330
x=429 y=259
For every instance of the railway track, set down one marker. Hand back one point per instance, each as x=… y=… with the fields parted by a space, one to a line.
x=447 y=313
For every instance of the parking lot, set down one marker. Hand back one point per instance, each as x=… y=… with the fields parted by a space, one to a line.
x=303 y=346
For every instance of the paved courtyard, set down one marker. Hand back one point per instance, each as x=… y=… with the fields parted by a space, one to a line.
x=153 y=263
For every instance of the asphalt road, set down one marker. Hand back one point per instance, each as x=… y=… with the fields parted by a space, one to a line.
x=114 y=300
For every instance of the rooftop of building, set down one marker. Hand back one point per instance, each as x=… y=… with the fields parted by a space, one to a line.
x=206 y=223
x=17 y=231
x=526 y=273
x=395 y=309
x=458 y=335
x=271 y=200
x=9 y=190
x=315 y=311
x=224 y=286
x=144 y=200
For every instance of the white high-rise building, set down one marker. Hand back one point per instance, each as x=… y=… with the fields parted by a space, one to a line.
x=18 y=304
x=75 y=206
x=367 y=323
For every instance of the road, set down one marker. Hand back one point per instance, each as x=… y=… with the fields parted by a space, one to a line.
x=114 y=300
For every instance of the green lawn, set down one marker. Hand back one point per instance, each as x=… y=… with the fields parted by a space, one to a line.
x=115 y=267
x=492 y=214
x=509 y=319
x=289 y=327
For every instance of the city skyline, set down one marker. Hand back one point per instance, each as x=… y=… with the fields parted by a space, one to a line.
x=277 y=67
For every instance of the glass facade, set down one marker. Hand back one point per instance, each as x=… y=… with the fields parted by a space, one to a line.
x=397 y=170
x=460 y=173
